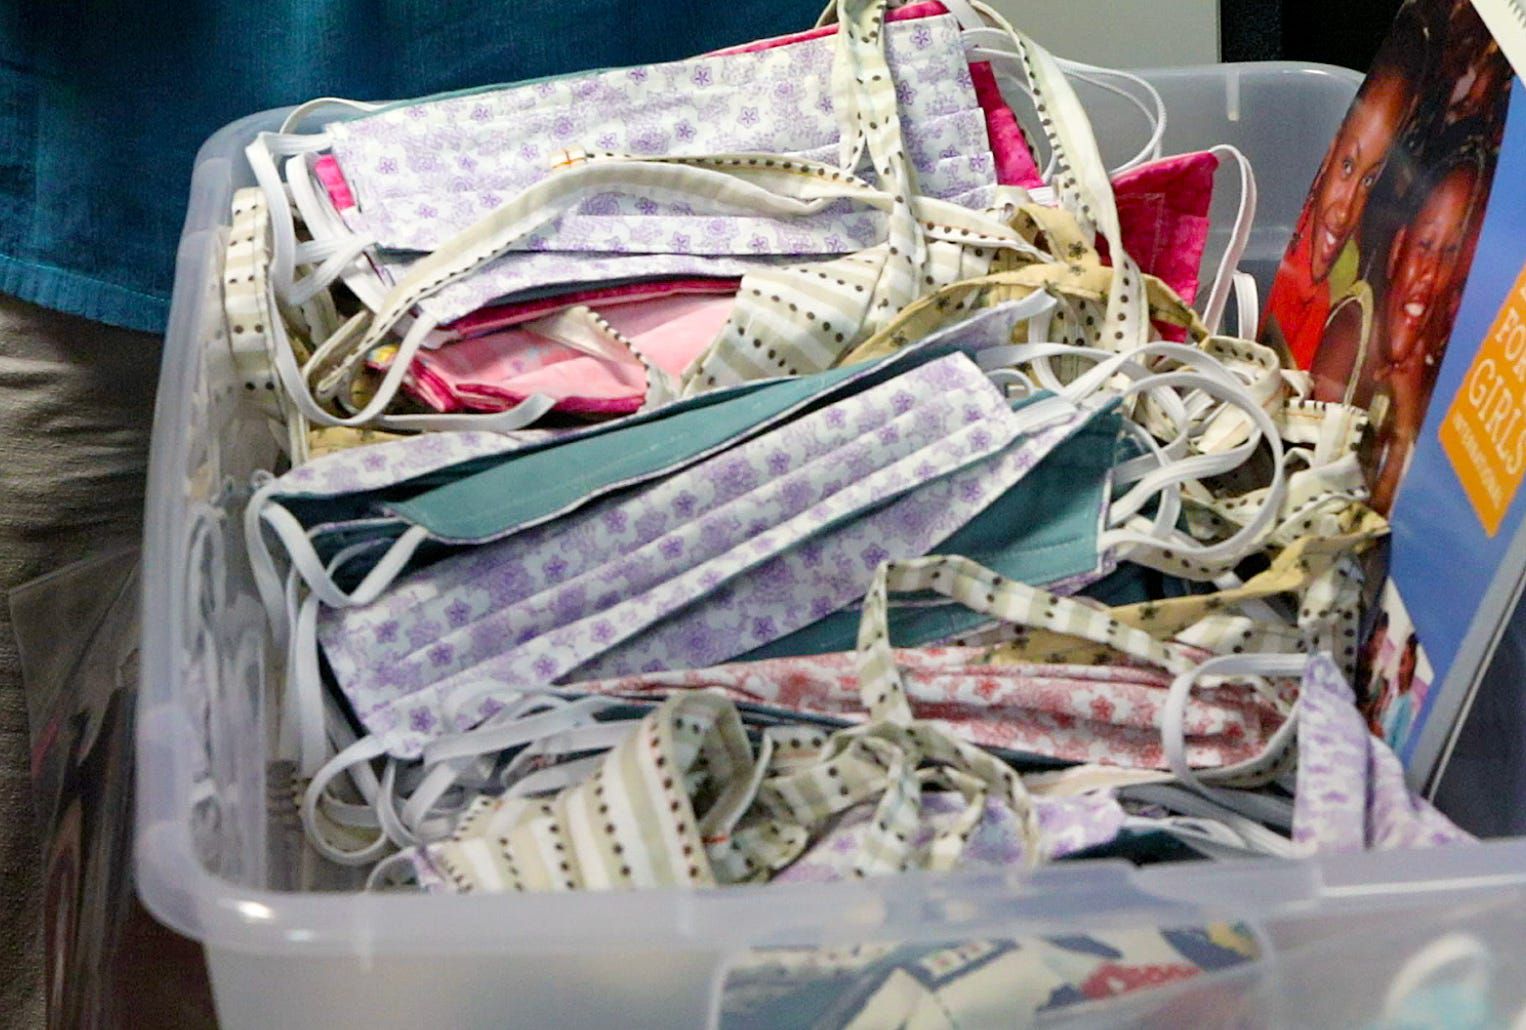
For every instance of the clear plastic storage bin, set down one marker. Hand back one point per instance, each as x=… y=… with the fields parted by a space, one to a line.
x=214 y=840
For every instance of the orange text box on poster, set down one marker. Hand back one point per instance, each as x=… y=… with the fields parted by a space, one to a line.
x=1484 y=432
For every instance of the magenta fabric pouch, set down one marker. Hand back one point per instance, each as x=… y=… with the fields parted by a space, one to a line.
x=1163 y=208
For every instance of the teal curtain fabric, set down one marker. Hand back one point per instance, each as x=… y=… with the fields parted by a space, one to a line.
x=103 y=103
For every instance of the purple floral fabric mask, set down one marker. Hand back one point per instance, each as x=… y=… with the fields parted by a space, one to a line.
x=738 y=550
x=1351 y=792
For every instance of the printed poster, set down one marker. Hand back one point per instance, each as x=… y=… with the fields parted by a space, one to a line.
x=1368 y=297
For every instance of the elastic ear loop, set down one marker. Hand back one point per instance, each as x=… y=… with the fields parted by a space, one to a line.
x=1038 y=355
x=1154 y=112
x=1260 y=809
x=319 y=580
x=305 y=562
x=1035 y=309
x=555 y=778
x=523 y=414
x=350 y=814
x=1247 y=306
x=1222 y=836
x=1214 y=379
x=1252 y=533
x=360 y=277
x=599 y=737
x=1451 y=951
x=267 y=581
x=359 y=753
x=447 y=756
x=1218 y=381
x=1128 y=472
x=490 y=739
x=295 y=382
x=305 y=680
x=1200 y=466
x=1239 y=238
x=261 y=155
x=1174 y=713
x=436 y=782
x=388 y=873
x=305 y=110
x=990 y=44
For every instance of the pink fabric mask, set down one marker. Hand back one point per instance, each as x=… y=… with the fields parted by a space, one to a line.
x=496 y=371
x=1163 y=207
x=1079 y=713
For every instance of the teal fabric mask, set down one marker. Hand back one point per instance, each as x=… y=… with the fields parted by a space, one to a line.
x=1042 y=532
x=691 y=570
x=378 y=507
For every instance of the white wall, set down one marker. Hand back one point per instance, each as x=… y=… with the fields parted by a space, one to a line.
x=1121 y=33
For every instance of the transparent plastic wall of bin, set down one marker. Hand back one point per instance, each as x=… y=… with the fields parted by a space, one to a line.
x=212 y=853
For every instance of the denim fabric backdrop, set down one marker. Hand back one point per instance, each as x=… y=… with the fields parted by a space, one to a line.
x=103 y=104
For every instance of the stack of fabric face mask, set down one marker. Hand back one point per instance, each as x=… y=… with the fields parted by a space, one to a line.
x=755 y=468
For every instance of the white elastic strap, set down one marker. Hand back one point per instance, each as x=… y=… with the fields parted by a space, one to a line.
x=1209 y=809
x=305 y=691
x=1264 y=810
x=1198 y=466
x=516 y=702
x=1154 y=111
x=295 y=380
x=1239 y=237
x=319 y=580
x=388 y=873
x=332 y=244
x=1208 y=375
x=556 y=778
x=1174 y=714
x=444 y=777
x=493 y=738
x=591 y=736
x=1247 y=306
x=392 y=379
x=1454 y=952
x=261 y=155
x=327 y=227
x=361 y=752
x=567 y=729
x=267 y=581
x=1249 y=536
x=992 y=44
x=294 y=119
x=1215 y=837
x=340 y=384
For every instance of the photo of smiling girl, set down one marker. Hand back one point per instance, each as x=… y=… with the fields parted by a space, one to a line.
x=1321 y=270
x=1427 y=267
x=1369 y=287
